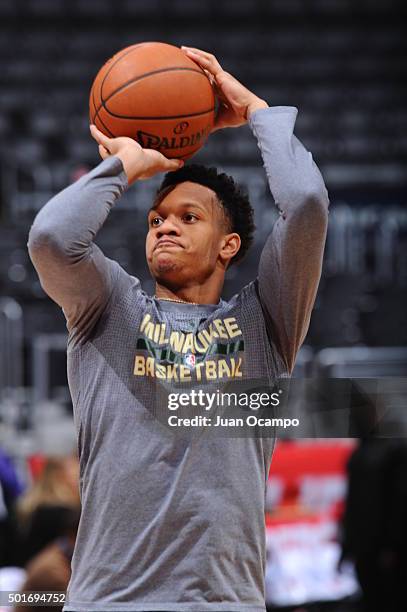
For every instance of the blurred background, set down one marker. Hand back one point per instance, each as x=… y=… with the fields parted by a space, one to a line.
x=342 y=64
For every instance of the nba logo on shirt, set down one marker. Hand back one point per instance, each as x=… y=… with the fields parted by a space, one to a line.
x=189 y=360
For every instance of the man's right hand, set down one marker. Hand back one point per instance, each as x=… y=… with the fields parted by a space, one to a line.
x=138 y=163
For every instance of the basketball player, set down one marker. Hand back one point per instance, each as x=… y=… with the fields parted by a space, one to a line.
x=174 y=523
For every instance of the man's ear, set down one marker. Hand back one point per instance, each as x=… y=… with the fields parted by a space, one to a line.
x=229 y=247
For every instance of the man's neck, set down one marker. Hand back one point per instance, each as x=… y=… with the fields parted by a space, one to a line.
x=191 y=295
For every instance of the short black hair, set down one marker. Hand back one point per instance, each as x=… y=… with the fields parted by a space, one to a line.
x=238 y=210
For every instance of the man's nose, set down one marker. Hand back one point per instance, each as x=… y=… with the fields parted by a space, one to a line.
x=168 y=227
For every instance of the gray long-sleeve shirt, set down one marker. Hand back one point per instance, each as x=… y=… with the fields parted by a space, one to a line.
x=175 y=522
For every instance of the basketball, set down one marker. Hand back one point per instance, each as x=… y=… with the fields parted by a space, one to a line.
x=154 y=93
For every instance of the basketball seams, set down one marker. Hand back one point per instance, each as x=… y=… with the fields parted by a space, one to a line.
x=92 y=111
x=140 y=78
x=122 y=54
x=97 y=116
x=125 y=54
x=205 y=112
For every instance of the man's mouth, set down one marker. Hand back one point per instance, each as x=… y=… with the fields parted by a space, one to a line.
x=166 y=243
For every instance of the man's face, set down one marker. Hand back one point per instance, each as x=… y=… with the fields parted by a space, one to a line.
x=186 y=232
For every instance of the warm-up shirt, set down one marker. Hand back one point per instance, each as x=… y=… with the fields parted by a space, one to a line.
x=175 y=522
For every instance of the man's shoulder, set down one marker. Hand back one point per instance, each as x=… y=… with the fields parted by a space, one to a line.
x=247 y=295
x=121 y=278
x=126 y=297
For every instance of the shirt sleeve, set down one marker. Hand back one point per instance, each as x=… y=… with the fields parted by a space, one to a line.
x=72 y=269
x=291 y=261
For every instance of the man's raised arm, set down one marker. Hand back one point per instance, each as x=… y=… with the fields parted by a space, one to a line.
x=291 y=261
x=290 y=266
x=72 y=269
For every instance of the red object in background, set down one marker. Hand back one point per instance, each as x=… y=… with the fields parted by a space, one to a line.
x=293 y=460
x=36 y=465
x=296 y=463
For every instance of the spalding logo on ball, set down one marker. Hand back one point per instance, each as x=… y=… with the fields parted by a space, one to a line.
x=154 y=93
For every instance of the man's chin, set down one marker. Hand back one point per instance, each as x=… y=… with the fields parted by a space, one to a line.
x=169 y=270
x=164 y=266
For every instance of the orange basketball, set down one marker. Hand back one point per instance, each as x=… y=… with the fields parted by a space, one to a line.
x=154 y=93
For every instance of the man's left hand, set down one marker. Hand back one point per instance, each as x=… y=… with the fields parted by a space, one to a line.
x=236 y=102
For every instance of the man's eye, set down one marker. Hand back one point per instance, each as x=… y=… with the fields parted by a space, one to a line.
x=190 y=218
x=156 y=221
